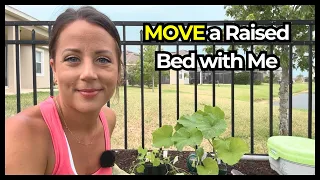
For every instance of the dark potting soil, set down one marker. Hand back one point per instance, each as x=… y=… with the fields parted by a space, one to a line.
x=124 y=159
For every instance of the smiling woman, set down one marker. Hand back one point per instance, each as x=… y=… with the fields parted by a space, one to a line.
x=70 y=133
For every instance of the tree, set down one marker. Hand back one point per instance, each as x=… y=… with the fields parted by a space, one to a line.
x=300 y=78
x=150 y=75
x=299 y=33
x=133 y=75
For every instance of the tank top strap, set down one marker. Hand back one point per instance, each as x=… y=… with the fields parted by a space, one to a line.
x=51 y=117
x=63 y=163
x=106 y=130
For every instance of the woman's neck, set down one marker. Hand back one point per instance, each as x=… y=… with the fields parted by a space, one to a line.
x=76 y=121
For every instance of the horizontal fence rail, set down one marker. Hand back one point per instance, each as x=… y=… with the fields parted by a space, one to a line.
x=140 y=23
x=48 y=24
x=178 y=43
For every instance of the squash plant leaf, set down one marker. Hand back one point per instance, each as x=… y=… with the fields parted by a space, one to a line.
x=140 y=168
x=231 y=149
x=156 y=162
x=187 y=137
x=212 y=125
x=190 y=121
x=209 y=167
x=200 y=112
x=214 y=110
x=200 y=152
x=162 y=137
x=142 y=153
x=178 y=126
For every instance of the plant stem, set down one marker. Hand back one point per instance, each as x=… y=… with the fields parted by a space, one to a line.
x=176 y=169
x=210 y=143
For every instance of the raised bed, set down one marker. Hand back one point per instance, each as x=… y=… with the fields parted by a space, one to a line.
x=124 y=159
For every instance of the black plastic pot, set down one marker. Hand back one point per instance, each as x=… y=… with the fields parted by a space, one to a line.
x=223 y=169
x=149 y=169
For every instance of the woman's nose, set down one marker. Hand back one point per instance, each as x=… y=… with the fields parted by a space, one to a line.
x=88 y=71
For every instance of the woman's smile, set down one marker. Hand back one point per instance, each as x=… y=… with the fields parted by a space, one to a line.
x=89 y=93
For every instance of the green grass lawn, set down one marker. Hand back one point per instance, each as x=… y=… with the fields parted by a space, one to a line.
x=186 y=106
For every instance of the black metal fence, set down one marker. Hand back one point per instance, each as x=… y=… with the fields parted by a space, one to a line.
x=124 y=42
x=221 y=77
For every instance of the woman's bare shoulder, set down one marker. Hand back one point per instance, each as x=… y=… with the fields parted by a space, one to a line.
x=28 y=119
x=26 y=144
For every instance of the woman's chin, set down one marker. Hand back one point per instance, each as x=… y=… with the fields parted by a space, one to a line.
x=89 y=107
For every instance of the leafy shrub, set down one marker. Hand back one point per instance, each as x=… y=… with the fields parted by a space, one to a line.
x=257 y=82
x=242 y=78
x=157 y=160
x=192 y=130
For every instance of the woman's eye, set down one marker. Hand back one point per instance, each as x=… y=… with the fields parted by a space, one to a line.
x=72 y=59
x=103 y=60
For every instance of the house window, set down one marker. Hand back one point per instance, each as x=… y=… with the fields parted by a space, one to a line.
x=39 y=62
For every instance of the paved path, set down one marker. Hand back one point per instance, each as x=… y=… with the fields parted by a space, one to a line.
x=300 y=101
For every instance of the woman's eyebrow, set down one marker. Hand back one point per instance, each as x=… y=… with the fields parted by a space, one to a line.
x=103 y=51
x=96 y=52
x=72 y=50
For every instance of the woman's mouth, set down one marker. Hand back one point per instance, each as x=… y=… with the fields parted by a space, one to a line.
x=89 y=93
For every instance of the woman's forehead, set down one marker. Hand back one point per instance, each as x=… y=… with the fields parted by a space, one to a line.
x=83 y=33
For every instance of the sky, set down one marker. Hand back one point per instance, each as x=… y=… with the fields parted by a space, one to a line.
x=141 y=13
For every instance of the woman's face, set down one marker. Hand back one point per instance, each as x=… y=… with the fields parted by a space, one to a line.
x=85 y=66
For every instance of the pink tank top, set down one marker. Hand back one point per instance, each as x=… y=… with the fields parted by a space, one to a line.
x=63 y=158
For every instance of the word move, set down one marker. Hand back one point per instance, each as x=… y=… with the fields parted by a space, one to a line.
x=200 y=32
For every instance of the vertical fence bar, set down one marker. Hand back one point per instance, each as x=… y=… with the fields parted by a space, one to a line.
x=310 y=86
x=178 y=86
x=232 y=100
x=6 y=64
x=125 y=90
x=18 y=69
x=271 y=99
x=290 y=91
x=195 y=84
x=213 y=80
x=34 y=68
x=160 y=97
x=251 y=109
x=50 y=69
x=6 y=73
x=142 y=90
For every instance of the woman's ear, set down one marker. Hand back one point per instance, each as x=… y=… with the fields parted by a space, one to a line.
x=52 y=65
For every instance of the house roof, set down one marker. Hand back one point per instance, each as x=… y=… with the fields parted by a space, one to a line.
x=181 y=52
x=21 y=15
x=18 y=14
x=131 y=57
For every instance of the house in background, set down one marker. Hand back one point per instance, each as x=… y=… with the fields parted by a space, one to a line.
x=25 y=54
x=275 y=73
x=131 y=60
x=183 y=74
x=203 y=77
